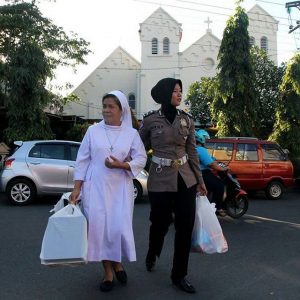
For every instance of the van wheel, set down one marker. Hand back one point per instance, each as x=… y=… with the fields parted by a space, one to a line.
x=137 y=191
x=274 y=190
x=20 y=192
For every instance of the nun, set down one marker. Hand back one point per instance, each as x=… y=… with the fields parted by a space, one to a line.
x=110 y=156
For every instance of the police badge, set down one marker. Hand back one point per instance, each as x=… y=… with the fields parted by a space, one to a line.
x=183 y=122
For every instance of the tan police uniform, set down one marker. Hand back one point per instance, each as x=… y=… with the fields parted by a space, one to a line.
x=174 y=150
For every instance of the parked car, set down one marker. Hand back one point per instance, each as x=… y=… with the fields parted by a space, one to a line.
x=258 y=164
x=38 y=168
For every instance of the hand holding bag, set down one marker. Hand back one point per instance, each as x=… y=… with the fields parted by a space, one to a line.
x=207 y=234
x=65 y=238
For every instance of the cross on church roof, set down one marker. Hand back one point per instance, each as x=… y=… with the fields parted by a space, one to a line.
x=208 y=21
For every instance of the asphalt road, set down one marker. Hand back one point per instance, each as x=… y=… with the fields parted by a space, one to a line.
x=263 y=261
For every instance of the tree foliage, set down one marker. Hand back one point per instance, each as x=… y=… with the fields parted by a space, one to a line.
x=31 y=48
x=77 y=132
x=287 y=126
x=234 y=103
x=266 y=84
x=266 y=88
x=199 y=99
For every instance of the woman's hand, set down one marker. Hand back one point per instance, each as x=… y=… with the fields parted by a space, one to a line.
x=113 y=163
x=201 y=189
x=73 y=199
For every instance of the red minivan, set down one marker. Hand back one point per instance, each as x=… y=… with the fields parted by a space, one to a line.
x=257 y=164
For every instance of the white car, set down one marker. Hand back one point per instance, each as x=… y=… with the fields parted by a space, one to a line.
x=39 y=168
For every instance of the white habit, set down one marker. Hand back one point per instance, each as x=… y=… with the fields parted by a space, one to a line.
x=107 y=194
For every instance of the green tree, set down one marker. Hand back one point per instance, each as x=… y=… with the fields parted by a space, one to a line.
x=266 y=84
x=77 y=132
x=199 y=99
x=31 y=48
x=287 y=126
x=234 y=102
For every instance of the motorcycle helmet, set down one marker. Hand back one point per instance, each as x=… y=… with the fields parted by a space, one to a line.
x=201 y=135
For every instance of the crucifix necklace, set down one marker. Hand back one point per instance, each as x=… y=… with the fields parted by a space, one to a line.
x=112 y=144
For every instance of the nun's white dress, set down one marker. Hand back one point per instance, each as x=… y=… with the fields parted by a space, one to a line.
x=107 y=194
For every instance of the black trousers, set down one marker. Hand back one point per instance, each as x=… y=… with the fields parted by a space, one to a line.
x=215 y=186
x=182 y=204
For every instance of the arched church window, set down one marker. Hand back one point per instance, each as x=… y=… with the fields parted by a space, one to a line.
x=252 y=41
x=131 y=101
x=166 y=46
x=154 y=46
x=264 y=44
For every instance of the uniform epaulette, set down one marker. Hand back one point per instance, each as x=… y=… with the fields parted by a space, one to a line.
x=186 y=113
x=149 y=113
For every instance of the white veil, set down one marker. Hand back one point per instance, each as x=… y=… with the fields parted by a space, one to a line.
x=126 y=113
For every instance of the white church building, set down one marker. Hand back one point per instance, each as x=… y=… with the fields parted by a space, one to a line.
x=160 y=35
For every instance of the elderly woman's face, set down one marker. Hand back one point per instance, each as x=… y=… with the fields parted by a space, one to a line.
x=176 y=95
x=111 y=112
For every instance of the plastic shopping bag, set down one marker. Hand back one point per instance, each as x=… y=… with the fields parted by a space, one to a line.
x=207 y=234
x=65 y=238
x=61 y=203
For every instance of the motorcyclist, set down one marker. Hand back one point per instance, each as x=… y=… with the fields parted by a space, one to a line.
x=208 y=163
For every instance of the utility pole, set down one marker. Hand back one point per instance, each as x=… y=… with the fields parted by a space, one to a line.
x=289 y=5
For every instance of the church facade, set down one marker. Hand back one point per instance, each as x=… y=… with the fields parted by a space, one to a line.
x=160 y=35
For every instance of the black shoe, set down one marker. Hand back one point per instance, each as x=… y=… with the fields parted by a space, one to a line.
x=106 y=286
x=184 y=285
x=221 y=212
x=150 y=262
x=121 y=276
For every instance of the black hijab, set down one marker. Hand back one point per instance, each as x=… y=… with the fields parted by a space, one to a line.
x=162 y=94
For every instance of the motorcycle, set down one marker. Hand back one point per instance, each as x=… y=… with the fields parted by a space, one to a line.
x=236 y=199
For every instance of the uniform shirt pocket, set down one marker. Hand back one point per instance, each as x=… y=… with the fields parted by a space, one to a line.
x=184 y=131
x=157 y=132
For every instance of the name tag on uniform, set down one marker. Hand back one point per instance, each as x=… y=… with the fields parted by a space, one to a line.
x=157 y=127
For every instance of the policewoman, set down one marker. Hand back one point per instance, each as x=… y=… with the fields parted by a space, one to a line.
x=174 y=177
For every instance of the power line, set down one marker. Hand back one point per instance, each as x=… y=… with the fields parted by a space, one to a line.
x=223 y=14
x=200 y=10
x=270 y=2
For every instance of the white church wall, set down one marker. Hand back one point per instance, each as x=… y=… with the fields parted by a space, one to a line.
x=92 y=91
x=200 y=59
x=121 y=71
x=261 y=24
x=159 y=25
x=118 y=72
x=157 y=66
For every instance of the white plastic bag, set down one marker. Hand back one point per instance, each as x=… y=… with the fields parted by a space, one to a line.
x=207 y=234
x=65 y=238
x=61 y=203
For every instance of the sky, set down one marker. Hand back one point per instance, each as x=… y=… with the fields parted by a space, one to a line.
x=107 y=24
